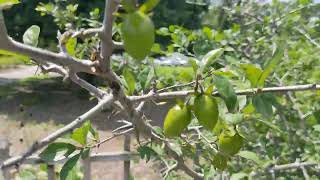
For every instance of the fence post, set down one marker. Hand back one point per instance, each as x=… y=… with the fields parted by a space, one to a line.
x=51 y=173
x=86 y=169
x=6 y=174
x=126 y=167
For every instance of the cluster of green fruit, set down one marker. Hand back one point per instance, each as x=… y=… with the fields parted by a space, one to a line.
x=205 y=109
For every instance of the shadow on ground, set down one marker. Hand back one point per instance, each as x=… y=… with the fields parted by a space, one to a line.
x=42 y=99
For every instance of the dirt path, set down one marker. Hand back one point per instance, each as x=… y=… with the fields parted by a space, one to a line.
x=37 y=108
x=21 y=72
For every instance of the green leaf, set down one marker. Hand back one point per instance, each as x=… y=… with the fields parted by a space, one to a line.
x=273 y=63
x=158 y=130
x=71 y=46
x=85 y=153
x=316 y=127
x=51 y=152
x=176 y=147
x=146 y=152
x=30 y=37
x=227 y=92
x=66 y=171
x=238 y=176
x=210 y=58
x=130 y=80
x=149 y=79
x=5 y=4
x=149 y=5
x=263 y=105
x=250 y=156
x=195 y=64
x=270 y=125
x=80 y=134
x=94 y=133
x=129 y=5
x=26 y=174
x=233 y=119
x=252 y=73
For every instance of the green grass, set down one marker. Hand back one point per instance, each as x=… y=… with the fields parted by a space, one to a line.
x=178 y=73
x=31 y=90
x=7 y=61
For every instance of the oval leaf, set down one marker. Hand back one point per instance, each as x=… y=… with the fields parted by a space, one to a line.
x=227 y=92
x=30 y=37
x=66 y=171
x=210 y=58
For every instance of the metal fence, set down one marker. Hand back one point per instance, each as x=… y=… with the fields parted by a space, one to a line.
x=126 y=156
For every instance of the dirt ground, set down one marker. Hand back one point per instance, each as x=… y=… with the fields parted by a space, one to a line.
x=35 y=109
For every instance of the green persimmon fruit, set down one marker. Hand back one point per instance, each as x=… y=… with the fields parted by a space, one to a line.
x=138 y=34
x=228 y=144
x=176 y=121
x=206 y=110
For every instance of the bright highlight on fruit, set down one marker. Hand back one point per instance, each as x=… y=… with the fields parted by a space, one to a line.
x=176 y=121
x=206 y=110
x=138 y=34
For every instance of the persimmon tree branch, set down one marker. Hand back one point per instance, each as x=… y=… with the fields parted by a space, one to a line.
x=84 y=84
x=250 y=92
x=285 y=167
x=85 y=33
x=106 y=34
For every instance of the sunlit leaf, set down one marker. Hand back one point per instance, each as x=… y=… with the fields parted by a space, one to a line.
x=130 y=80
x=80 y=134
x=210 y=58
x=149 y=5
x=30 y=37
x=5 y=4
x=252 y=73
x=71 y=46
x=195 y=64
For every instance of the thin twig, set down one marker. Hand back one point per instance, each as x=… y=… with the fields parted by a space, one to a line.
x=253 y=91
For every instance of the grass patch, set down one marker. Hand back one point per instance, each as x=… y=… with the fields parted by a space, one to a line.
x=7 y=61
x=178 y=73
x=40 y=90
x=170 y=75
x=31 y=90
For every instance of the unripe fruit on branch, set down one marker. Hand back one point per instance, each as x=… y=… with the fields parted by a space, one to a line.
x=206 y=111
x=176 y=121
x=138 y=34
